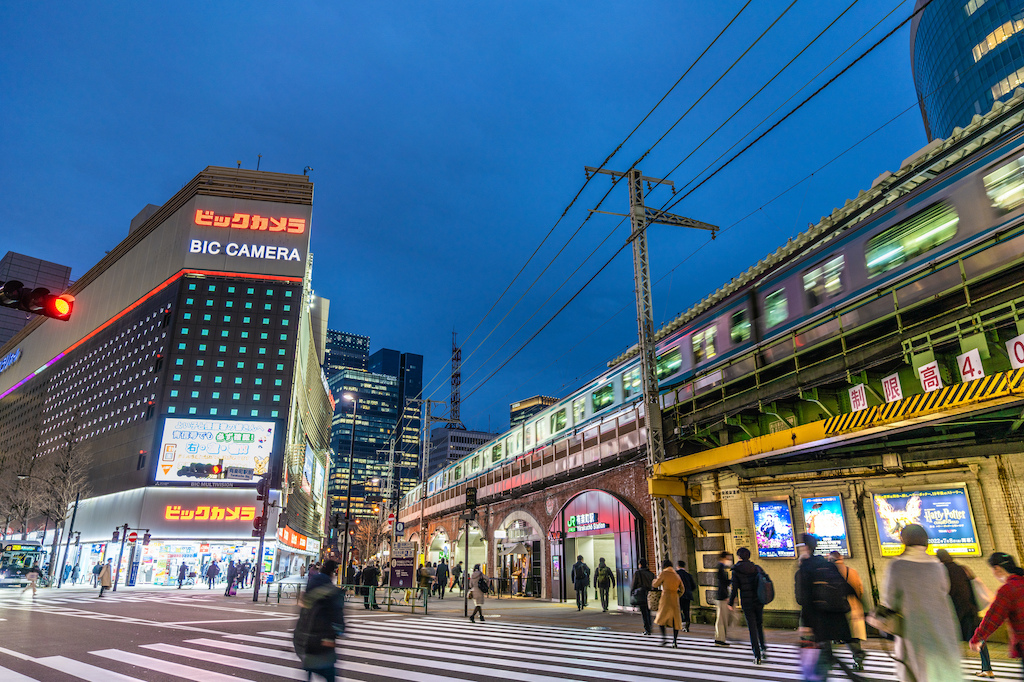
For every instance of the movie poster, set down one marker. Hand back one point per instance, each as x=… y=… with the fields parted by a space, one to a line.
x=773 y=529
x=944 y=512
x=823 y=518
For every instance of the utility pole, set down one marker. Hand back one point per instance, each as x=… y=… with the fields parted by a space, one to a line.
x=428 y=421
x=640 y=217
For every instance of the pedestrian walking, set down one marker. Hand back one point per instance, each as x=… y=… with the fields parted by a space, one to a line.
x=457 y=576
x=668 y=606
x=76 y=573
x=821 y=592
x=105 y=577
x=917 y=587
x=478 y=590
x=182 y=574
x=604 y=581
x=580 y=582
x=369 y=577
x=858 y=631
x=32 y=575
x=686 y=598
x=232 y=573
x=643 y=581
x=96 y=574
x=212 y=571
x=321 y=622
x=1008 y=606
x=722 y=612
x=744 y=586
x=441 y=578
x=431 y=578
x=962 y=583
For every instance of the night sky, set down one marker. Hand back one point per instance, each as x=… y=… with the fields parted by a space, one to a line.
x=446 y=139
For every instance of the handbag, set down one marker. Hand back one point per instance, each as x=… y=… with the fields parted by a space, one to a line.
x=982 y=598
x=635 y=596
x=886 y=620
x=654 y=599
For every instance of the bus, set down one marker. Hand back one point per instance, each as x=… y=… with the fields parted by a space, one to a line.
x=15 y=560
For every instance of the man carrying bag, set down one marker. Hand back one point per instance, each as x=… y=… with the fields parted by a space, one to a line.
x=321 y=621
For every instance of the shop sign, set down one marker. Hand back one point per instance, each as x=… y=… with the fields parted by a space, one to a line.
x=286 y=536
x=403 y=565
x=248 y=221
x=9 y=359
x=858 y=398
x=944 y=512
x=729 y=494
x=204 y=547
x=520 y=530
x=580 y=523
x=197 y=452
x=175 y=512
x=824 y=518
x=773 y=528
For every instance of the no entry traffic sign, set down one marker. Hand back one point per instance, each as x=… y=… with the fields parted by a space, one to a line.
x=133 y=536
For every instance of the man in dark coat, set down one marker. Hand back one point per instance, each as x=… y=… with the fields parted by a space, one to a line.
x=580 y=582
x=457 y=576
x=686 y=598
x=320 y=623
x=961 y=592
x=818 y=625
x=231 y=575
x=370 y=574
x=182 y=573
x=744 y=586
x=441 y=578
x=212 y=571
x=604 y=581
x=722 y=613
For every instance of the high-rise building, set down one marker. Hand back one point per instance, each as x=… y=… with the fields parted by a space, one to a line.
x=32 y=272
x=408 y=367
x=519 y=412
x=448 y=445
x=345 y=351
x=965 y=55
x=190 y=368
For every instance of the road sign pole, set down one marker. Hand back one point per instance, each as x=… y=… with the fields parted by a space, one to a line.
x=117 y=574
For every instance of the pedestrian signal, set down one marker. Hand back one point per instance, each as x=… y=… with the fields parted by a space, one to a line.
x=145 y=538
x=470 y=497
x=116 y=538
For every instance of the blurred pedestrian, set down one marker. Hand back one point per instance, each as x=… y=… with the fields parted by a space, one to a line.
x=232 y=573
x=431 y=578
x=212 y=571
x=686 y=598
x=32 y=575
x=858 y=632
x=580 y=582
x=105 y=578
x=321 y=622
x=369 y=578
x=182 y=574
x=643 y=581
x=822 y=594
x=76 y=573
x=744 y=586
x=478 y=586
x=668 y=606
x=457 y=577
x=604 y=581
x=917 y=587
x=1008 y=606
x=965 y=604
x=722 y=612
x=96 y=574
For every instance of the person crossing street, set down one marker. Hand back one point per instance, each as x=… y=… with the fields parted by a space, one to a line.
x=104 y=578
x=580 y=582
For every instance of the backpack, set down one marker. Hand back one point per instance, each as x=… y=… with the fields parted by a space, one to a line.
x=829 y=590
x=481 y=584
x=765 y=587
x=604 y=575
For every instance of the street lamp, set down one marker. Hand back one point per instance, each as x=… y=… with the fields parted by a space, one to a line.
x=348 y=493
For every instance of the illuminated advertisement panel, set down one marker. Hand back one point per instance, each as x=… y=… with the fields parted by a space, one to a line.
x=307 y=470
x=824 y=518
x=944 y=512
x=319 y=479
x=214 y=452
x=773 y=529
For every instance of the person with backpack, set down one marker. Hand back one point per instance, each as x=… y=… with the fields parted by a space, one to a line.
x=1008 y=606
x=745 y=579
x=478 y=590
x=321 y=622
x=821 y=592
x=580 y=582
x=917 y=587
x=722 y=612
x=686 y=598
x=643 y=582
x=668 y=606
x=457 y=577
x=604 y=581
x=858 y=632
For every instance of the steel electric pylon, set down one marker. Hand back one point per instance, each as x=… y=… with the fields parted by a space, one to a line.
x=640 y=217
x=455 y=420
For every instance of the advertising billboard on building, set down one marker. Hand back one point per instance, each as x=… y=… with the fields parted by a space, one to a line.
x=944 y=512
x=197 y=452
x=307 y=470
x=824 y=518
x=319 y=479
x=773 y=529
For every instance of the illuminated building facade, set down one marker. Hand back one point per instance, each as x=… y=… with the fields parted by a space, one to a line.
x=191 y=366
x=519 y=412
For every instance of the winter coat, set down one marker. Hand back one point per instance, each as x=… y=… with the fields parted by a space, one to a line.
x=232 y=573
x=643 y=579
x=744 y=584
x=213 y=571
x=604 y=576
x=370 y=575
x=917 y=586
x=826 y=625
x=321 y=591
x=668 y=607
x=75 y=573
x=722 y=582
x=441 y=574
x=580 y=576
x=182 y=572
x=423 y=577
x=857 y=628
x=689 y=584
x=106 y=580
x=965 y=604
x=474 y=583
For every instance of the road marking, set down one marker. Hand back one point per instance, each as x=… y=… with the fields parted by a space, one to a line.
x=15 y=654
x=232 y=661
x=186 y=671
x=243 y=649
x=84 y=671
x=12 y=676
x=231 y=620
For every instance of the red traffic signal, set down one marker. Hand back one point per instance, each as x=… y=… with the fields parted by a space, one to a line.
x=14 y=294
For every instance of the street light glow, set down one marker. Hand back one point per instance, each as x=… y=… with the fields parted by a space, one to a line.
x=348 y=396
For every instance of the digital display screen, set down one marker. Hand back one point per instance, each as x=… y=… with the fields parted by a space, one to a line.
x=944 y=512
x=307 y=470
x=773 y=529
x=212 y=452
x=823 y=518
x=319 y=479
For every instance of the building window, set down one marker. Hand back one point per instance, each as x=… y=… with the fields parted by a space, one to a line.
x=202 y=346
x=245 y=335
x=238 y=380
x=824 y=282
x=999 y=36
x=240 y=364
x=911 y=238
x=189 y=301
x=260 y=365
x=217 y=380
x=246 y=320
x=222 y=349
x=236 y=396
x=184 y=330
x=234 y=412
x=174 y=393
x=191 y=287
x=229 y=304
x=207 y=318
x=776 y=308
x=176 y=377
x=179 y=361
x=1005 y=186
x=220 y=363
x=224 y=333
x=277 y=382
x=209 y=301
x=972 y=6
x=200 y=363
x=704 y=344
x=258 y=382
x=171 y=409
x=254 y=413
x=248 y=304
x=215 y=395
x=227 y=318
x=231 y=290
x=197 y=378
x=213 y=411
x=273 y=413
x=280 y=367
x=191 y=410
x=241 y=349
x=250 y=290
x=204 y=332
x=266 y=320
x=277 y=398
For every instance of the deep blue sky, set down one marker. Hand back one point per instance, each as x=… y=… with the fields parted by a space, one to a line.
x=446 y=139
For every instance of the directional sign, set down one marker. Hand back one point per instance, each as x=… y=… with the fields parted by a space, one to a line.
x=399 y=528
x=239 y=473
x=133 y=536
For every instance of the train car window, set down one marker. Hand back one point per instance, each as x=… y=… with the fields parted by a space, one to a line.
x=669 y=363
x=514 y=443
x=704 y=344
x=558 y=421
x=496 y=453
x=739 y=326
x=1005 y=186
x=476 y=463
x=907 y=240
x=824 y=282
x=776 y=308
x=529 y=435
x=542 y=430
x=602 y=397
x=578 y=406
x=631 y=384
x=458 y=472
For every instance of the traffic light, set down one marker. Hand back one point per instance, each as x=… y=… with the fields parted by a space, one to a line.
x=13 y=294
x=116 y=538
x=197 y=470
x=259 y=525
x=145 y=538
x=263 y=488
x=471 y=497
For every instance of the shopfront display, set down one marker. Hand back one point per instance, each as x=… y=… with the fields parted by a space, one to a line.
x=944 y=512
x=519 y=558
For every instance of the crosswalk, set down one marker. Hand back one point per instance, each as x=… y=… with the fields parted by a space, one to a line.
x=49 y=598
x=435 y=649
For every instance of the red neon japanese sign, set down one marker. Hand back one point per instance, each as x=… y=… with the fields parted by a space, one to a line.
x=248 y=221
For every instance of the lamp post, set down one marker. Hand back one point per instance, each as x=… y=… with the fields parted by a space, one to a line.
x=348 y=492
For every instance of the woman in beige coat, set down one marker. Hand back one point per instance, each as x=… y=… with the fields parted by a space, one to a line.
x=668 y=609
x=105 y=579
x=479 y=596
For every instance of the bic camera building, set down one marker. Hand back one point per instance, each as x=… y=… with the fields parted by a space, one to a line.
x=190 y=367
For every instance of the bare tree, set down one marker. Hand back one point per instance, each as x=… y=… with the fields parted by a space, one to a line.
x=65 y=474
x=21 y=491
x=367 y=534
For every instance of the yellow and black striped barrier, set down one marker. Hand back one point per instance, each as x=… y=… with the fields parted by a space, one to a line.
x=998 y=385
